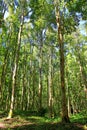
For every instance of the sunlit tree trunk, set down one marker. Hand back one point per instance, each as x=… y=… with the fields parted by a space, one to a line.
x=24 y=81
x=15 y=66
x=33 y=85
x=50 y=89
x=65 y=117
x=68 y=90
x=40 y=72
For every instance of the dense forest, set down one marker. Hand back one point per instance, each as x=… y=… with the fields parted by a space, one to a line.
x=43 y=59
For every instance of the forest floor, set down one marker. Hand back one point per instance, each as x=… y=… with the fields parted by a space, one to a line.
x=26 y=122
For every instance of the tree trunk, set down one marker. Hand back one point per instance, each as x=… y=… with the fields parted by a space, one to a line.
x=15 y=66
x=50 y=95
x=40 y=73
x=65 y=117
x=33 y=85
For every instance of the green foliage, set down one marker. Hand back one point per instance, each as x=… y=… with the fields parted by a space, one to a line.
x=40 y=28
x=79 y=7
x=80 y=117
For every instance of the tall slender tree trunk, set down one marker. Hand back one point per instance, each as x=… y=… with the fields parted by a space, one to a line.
x=50 y=89
x=68 y=91
x=40 y=73
x=65 y=117
x=33 y=85
x=24 y=82
x=15 y=66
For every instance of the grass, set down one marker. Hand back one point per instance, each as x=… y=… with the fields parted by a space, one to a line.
x=80 y=118
x=29 y=121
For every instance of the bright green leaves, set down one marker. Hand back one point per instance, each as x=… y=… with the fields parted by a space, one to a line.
x=40 y=22
x=41 y=10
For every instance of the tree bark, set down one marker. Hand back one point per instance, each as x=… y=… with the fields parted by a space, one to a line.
x=40 y=73
x=60 y=24
x=50 y=90
x=15 y=66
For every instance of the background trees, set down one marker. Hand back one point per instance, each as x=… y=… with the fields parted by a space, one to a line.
x=39 y=63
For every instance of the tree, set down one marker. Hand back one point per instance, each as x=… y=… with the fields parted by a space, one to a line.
x=50 y=85
x=59 y=20
x=16 y=55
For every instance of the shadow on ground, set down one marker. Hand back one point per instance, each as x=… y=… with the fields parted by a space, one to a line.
x=38 y=123
x=47 y=126
x=56 y=126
